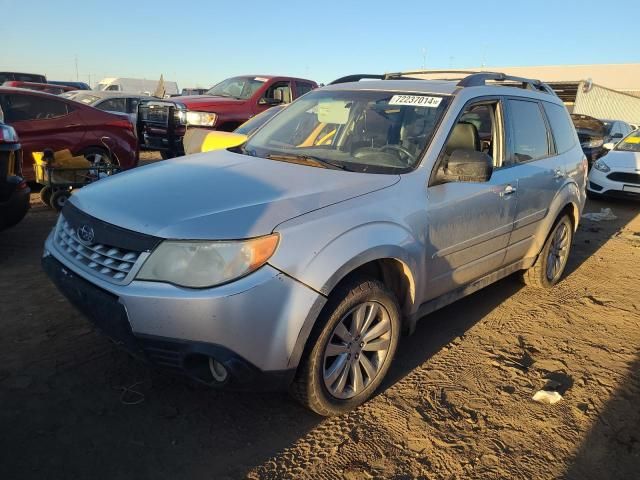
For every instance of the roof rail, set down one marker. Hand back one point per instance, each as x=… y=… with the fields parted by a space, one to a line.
x=401 y=75
x=481 y=78
x=470 y=78
x=357 y=77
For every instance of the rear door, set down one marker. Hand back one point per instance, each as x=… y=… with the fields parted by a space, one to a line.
x=540 y=172
x=42 y=122
x=469 y=223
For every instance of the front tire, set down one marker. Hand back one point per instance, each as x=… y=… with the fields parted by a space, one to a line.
x=350 y=349
x=551 y=262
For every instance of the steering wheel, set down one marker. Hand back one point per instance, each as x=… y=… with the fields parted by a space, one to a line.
x=408 y=156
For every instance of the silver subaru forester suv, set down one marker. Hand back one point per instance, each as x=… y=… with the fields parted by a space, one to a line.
x=297 y=259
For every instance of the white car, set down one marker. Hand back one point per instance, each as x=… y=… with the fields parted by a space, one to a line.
x=617 y=174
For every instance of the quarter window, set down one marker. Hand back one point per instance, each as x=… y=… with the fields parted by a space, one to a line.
x=529 y=136
x=563 y=131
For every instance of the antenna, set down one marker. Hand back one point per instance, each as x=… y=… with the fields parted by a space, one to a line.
x=77 y=76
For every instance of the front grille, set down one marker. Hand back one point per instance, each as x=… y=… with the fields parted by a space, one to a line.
x=113 y=264
x=625 y=177
x=155 y=113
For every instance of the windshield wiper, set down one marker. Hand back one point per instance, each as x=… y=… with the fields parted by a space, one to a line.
x=307 y=159
x=223 y=95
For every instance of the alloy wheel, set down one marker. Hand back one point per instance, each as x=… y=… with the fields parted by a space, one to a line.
x=356 y=350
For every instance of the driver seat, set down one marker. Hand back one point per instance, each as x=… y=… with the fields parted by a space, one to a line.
x=463 y=137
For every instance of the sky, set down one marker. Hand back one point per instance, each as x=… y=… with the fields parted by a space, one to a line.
x=198 y=43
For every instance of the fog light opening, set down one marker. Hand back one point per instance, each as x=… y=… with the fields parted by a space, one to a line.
x=218 y=371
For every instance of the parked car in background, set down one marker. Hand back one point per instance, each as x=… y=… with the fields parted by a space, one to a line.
x=73 y=85
x=38 y=87
x=296 y=260
x=14 y=191
x=594 y=133
x=197 y=140
x=135 y=85
x=162 y=124
x=114 y=102
x=22 y=77
x=617 y=174
x=48 y=121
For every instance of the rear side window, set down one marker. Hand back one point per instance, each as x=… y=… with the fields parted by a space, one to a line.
x=563 y=132
x=303 y=87
x=113 y=105
x=529 y=138
x=19 y=108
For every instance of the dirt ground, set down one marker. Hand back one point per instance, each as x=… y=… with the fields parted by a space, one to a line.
x=457 y=403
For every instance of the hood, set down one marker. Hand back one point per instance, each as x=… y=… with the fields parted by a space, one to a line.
x=588 y=125
x=620 y=160
x=193 y=102
x=219 y=195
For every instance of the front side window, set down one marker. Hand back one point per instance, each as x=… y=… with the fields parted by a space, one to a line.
x=529 y=137
x=113 y=88
x=564 y=134
x=630 y=143
x=26 y=107
x=280 y=91
x=377 y=132
x=241 y=88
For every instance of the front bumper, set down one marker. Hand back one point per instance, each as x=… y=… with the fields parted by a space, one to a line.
x=252 y=326
x=600 y=184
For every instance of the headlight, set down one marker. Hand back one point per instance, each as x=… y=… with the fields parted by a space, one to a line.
x=200 y=264
x=595 y=143
x=202 y=119
x=600 y=165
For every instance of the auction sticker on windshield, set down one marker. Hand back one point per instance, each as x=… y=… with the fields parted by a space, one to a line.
x=415 y=100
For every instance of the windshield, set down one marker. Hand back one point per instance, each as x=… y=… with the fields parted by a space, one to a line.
x=251 y=125
x=237 y=87
x=631 y=143
x=375 y=132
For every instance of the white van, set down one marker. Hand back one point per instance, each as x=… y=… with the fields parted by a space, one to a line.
x=135 y=85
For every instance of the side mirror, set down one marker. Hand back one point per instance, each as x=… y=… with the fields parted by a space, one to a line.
x=609 y=146
x=468 y=166
x=270 y=101
x=616 y=135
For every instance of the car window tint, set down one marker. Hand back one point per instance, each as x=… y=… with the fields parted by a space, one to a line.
x=562 y=129
x=113 y=105
x=303 y=87
x=26 y=107
x=280 y=91
x=133 y=105
x=529 y=139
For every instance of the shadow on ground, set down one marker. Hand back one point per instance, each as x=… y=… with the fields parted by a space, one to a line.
x=74 y=406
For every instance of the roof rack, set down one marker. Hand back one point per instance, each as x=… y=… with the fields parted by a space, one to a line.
x=470 y=78
x=357 y=77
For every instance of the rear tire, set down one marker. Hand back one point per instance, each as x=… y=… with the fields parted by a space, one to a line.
x=45 y=195
x=59 y=199
x=552 y=260
x=350 y=349
x=98 y=155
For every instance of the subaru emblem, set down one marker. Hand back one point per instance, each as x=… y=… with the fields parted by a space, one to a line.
x=85 y=234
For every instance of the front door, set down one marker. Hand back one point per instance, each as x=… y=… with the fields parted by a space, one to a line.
x=469 y=223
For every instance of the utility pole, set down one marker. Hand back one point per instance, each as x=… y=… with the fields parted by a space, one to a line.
x=424 y=58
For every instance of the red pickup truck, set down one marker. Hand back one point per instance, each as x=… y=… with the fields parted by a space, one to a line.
x=162 y=123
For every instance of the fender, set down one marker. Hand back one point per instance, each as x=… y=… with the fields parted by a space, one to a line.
x=325 y=268
x=568 y=194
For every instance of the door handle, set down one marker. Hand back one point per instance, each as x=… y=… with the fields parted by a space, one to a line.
x=558 y=173
x=508 y=190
